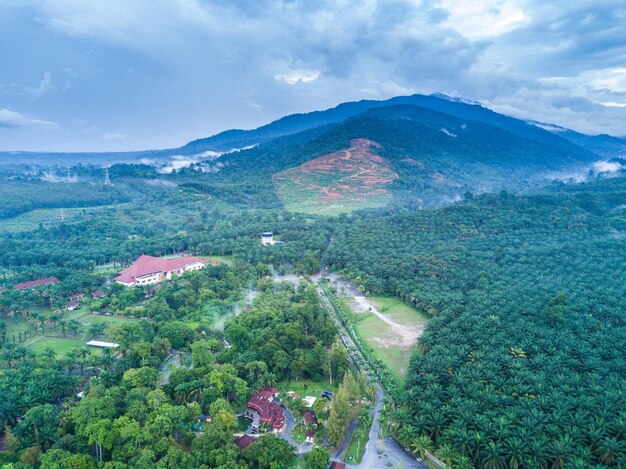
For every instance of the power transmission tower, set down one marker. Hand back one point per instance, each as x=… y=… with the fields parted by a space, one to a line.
x=107 y=181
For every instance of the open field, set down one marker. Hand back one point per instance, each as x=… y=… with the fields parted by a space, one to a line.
x=340 y=182
x=215 y=260
x=306 y=387
x=392 y=337
x=52 y=337
x=59 y=345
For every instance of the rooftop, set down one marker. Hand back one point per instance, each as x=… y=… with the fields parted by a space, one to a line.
x=147 y=265
x=97 y=343
x=244 y=441
x=35 y=283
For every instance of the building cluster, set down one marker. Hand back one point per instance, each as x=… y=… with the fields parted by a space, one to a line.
x=262 y=409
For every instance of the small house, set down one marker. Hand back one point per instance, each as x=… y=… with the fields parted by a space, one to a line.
x=72 y=305
x=310 y=418
x=244 y=441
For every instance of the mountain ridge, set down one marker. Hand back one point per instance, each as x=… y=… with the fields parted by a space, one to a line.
x=235 y=139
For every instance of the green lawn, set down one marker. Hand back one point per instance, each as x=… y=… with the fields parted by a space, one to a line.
x=356 y=449
x=90 y=319
x=59 y=345
x=379 y=338
x=54 y=338
x=299 y=433
x=306 y=387
x=215 y=260
x=107 y=269
x=398 y=310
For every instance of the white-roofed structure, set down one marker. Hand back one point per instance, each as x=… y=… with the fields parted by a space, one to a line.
x=99 y=344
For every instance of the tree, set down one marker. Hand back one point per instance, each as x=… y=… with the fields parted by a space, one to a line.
x=39 y=426
x=339 y=415
x=61 y=459
x=269 y=452
x=141 y=377
x=317 y=458
x=178 y=333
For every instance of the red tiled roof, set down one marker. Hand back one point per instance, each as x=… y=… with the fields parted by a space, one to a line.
x=73 y=304
x=146 y=265
x=271 y=389
x=98 y=294
x=268 y=411
x=75 y=296
x=309 y=417
x=244 y=441
x=265 y=394
x=35 y=283
x=337 y=465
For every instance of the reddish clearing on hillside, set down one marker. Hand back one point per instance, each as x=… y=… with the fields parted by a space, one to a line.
x=355 y=176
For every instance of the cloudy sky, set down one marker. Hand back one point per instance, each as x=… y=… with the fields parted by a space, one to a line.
x=137 y=74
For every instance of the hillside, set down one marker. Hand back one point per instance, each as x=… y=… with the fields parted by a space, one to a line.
x=437 y=157
x=338 y=182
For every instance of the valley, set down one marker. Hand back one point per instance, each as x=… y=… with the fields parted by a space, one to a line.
x=434 y=281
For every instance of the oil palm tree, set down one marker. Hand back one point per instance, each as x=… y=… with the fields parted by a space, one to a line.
x=421 y=444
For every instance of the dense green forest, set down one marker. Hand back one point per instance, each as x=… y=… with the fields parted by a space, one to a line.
x=523 y=364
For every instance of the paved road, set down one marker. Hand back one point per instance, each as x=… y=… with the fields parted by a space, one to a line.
x=379 y=453
x=290 y=423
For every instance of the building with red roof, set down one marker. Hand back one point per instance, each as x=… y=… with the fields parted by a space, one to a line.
x=98 y=294
x=77 y=296
x=147 y=270
x=72 y=305
x=35 y=283
x=244 y=441
x=309 y=418
x=262 y=409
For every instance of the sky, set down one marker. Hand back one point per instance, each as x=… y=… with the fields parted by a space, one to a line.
x=90 y=75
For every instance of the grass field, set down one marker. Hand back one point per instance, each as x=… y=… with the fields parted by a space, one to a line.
x=215 y=260
x=379 y=337
x=39 y=340
x=356 y=448
x=306 y=387
x=59 y=345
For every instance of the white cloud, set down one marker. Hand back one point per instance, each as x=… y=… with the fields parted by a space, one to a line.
x=298 y=76
x=45 y=86
x=479 y=19
x=15 y=119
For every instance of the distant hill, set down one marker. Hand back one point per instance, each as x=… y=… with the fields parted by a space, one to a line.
x=295 y=123
x=437 y=158
x=603 y=145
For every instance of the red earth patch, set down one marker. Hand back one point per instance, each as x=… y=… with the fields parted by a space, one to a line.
x=349 y=175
